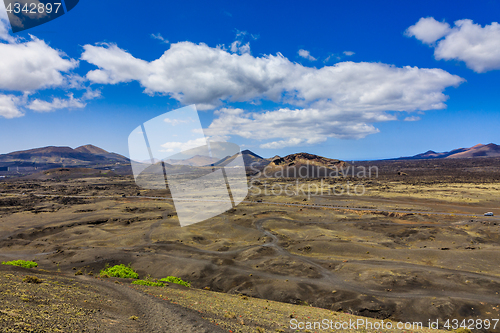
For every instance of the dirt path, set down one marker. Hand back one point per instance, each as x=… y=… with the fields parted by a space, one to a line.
x=154 y=315
x=333 y=279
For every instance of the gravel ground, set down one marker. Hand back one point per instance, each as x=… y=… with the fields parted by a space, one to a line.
x=84 y=304
x=54 y=302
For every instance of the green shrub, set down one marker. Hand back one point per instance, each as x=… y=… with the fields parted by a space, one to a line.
x=148 y=283
x=120 y=271
x=21 y=263
x=177 y=280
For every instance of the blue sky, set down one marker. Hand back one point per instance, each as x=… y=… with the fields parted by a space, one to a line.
x=337 y=79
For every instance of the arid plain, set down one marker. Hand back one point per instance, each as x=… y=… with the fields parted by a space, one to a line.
x=412 y=246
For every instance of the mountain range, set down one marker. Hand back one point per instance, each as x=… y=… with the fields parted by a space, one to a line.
x=53 y=157
x=480 y=150
x=89 y=156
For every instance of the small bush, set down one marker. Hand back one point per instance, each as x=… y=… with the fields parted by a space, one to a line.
x=120 y=271
x=148 y=283
x=177 y=280
x=21 y=263
x=32 y=279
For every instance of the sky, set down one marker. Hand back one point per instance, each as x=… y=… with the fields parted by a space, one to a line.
x=353 y=80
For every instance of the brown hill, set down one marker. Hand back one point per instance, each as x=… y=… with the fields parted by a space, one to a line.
x=53 y=157
x=303 y=165
x=91 y=149
x=253 y=162
x=480 y=150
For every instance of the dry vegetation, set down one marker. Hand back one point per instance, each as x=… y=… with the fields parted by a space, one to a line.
x=414 y=247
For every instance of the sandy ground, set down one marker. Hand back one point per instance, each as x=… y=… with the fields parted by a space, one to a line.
x=406 y=250
x=61 y=303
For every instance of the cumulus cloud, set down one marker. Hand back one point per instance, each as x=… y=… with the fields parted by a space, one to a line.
x=169 y=147
x=477 y=46
x=306 y=55
x=9 y=106
x=200 y=74
x=31 y=65
x=340 y=101
x=412 y=118
x=294 y=126
x=57 y=103
x=4 y=27
x=238 y=47
x=291 y=142
x=192 y=73
x=91 y=94
x=348 y=53
x=428 y=30
x=117 y=65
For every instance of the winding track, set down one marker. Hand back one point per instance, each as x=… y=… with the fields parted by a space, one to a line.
x=328 y=277
x=155 y=315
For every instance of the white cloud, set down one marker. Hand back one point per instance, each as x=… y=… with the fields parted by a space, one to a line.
x=159 y=37
x=192 y=73
x=348 y=53
x=477 y=46
x=117 y=65
x=175 y=122
x=305 y=54
x=295 y=127
x=91 y=94
x=29 y=65
x=341 y=101
x=5 y=26
x=412 y=118
x=238 y=47
x=428 y=30
x=9 y=106
x=198 y=74
x=292 y=142
x=32 y=65
x=57 y=103
x=183 y=146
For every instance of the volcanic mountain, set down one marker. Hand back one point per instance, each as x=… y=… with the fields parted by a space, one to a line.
x=303 y=165
x=480 y=150
x=250 y=159
x=53 y=157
